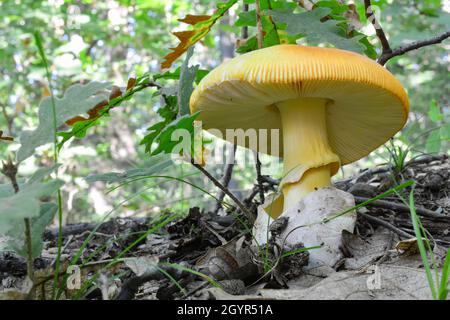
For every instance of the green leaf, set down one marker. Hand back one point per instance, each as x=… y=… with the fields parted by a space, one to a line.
x=42 y=173
x=6 y=190
x=434 y=113
x=186 y=84
x=445 y=132
x=77 y=100
x=308 y=24
x=155 y=165
x=79 y=130
x=434 y=142
x=164 y=139
x=271 y=37
x=169 y=114
x=336 y=7
x=444 y=287
x=16 y=236
x=175 y=75
x=25 y=203
x=201 y=26
x=246 y=19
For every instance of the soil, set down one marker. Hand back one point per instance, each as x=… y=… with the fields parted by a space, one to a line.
x=381 y=257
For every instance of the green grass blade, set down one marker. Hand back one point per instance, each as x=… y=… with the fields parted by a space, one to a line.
x=41 y=51
x=423 y=252
x=117 y=258
x=294 y=252
x=365 y=203
x=443 y=288
x=194 y=272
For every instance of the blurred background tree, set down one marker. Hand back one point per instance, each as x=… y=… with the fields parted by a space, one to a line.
x=112 y=40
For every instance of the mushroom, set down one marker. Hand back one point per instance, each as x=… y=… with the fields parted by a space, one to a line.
x=332 y=107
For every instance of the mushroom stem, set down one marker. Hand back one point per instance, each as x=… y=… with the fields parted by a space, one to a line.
x=309 y=161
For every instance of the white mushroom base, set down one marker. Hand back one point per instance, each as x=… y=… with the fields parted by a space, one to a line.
x=308 y=213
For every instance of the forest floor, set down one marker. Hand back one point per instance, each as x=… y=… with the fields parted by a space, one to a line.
x=208 y=255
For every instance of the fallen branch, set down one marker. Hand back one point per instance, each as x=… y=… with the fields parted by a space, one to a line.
x=385 y=224
x=131 y=286
x=217 y=183
x=259 y=177
x=106 y=227
x=399 y=207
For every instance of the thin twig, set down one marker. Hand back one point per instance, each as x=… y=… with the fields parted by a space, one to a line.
x=225 y=190
x=9 y=169
x=413 y=46
x=259 y=177
x=259 y=35
x=244 y=30
x=399 y=207
x=9 y=120
x=387 y=52
x=306 y=4
x=260 y=38
x=226 y=178
x=386 y=48
x=385 y=224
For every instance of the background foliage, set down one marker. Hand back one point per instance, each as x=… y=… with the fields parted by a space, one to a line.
x=113 y=41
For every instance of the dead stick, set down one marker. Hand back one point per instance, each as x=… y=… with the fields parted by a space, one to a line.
x=385 y=224
x=259 y=35
x=259 y=177
x=398 y=206
x=225 y=190
x=260 y=38
x=244 y=31
x=226 y=178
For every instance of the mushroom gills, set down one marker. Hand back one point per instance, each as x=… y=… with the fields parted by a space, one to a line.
x=309 y=161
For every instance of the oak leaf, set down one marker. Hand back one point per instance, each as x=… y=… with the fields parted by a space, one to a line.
x=201 y=24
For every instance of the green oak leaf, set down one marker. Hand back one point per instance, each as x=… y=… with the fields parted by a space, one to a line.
x=153 y=166
x=308 y=24
x=15 y=236
x=186 y=83
x=164 y=139
x=434 y=113
x=77 y=100
x=25 y=203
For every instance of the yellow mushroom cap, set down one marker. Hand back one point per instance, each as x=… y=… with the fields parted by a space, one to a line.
x=368 y=105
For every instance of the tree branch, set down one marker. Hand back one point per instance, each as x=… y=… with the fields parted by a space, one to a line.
x=413 y=46
x=386 y=48
x=225 y=190
x=244 y=31
x=9 y=120
x=259 y=177
x=260 y=38
x=385 y=224
x=259 y=35
x=306 y=4
x=226 y=178
x=398 y=207
x=387 y=52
